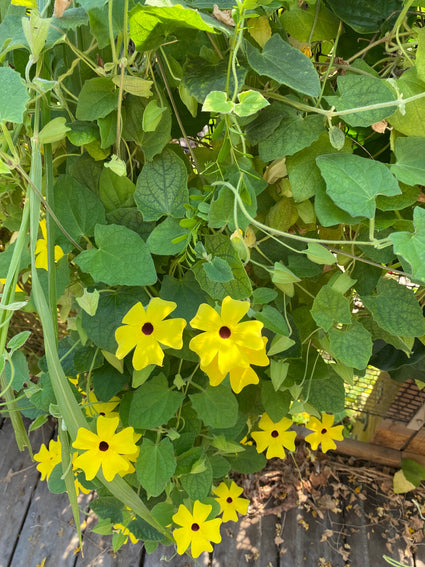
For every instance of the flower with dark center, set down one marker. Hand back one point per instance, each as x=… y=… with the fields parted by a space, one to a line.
x=196 y=531
x=323 y=432
x=274 y=437
x=230 y=502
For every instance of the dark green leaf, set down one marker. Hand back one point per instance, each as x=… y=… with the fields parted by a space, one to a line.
x=330 y=306
x=248 y=462
x=352 y=346
x=276 y=404
x=198 y=485
x=216 y=406
x=115 y=191
x=411 y=245
x=14 y=96
x=365 y=16
x=98 y=97
x=410 y=165
x=161 y=239
x=155 y=465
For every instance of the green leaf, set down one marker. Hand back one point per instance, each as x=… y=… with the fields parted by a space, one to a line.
x=216 y=406
x=396 y=309
x=14 y=96
x=300 y=20
x=409 y=121
x=186 y=292
x=411 y=245
x=97 y=98
x=278 y=373
x=77 y=208
x=400 y=483
x=152 y=116
x=134 y=85
x=220 y=466
x=55 y=483
x=218 y=270
x=276 y=404
x=250 y=102
x=153 y=404
x=273 y=320
x=216 y=101
x=150 y=26
x=201 y=78
x=107 y=507
x=280 y=343
x=82 y=133
x=292 y=135
x=330 y=306
x=263 y=295
x=168 y=238
x=115 y=191
x=410 y=165
x=248 y=462
x=17 y=341
x=319 y=254
x=303 y=173
x=108 y=129
x=353 y=182
x=326 y=395
x=71 y=19
x=20 y=369
x=198 y=485
x=218 y=245
x=107 y=382
x=161 y=187
x=413 y=471
x=121 y=257
x=409 y=196
x=112 y=307
x=53 y=131
x=155 y=465
x=286 y=65
x=355 y=91
x=352 y=346
x=144 y=531
x=365 y=16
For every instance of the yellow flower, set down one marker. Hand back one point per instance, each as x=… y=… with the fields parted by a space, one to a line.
x=239 y=377
x=224 y=336
x=133 y=457
x=41 y=249
x=105 y=449
x=196 y=530
x=324 y=433
x=3 y=282
x=146 y=330
x=230 y=503
x=274 y=437
x=48 y=458
x=95 y=408
x=125 y=531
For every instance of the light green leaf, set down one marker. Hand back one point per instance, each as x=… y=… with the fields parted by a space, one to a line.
x=353 y=182
x=216 y=101
x=153 y=404
x=168 y=238
x=286 y=65
x=97 y=98
x=134 y=85
x=150 y=26
x=413 y=471
x=351 y=346
x=77 y=208
x=216 y=406
x=280 y=343
x=250 y=102
x=89 y=301
x=410 y=165
x=273 y=320
x=319 y=254
x=355 y=91
x=420 y=54
x=292 y=135
x=152 y=116
x=161 y=187
x=410 y=122
x=13 y=97
x=117 y=166
x=155 y=465
x=53 y=131
x=330 y=306
x=400 y=483
x=411 y=245
x=17 y=341
x=218 y=245
x=121 y=257
x=278 y=372
x=336 y=138
x=300 y=20
x=396 y=309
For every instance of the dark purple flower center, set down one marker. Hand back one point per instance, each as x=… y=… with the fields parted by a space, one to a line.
x=103 y=446
x=147 y=329
x=324 y=431
x=229 y=499
x=224 y=332
x=194 y=527
x=274 y=433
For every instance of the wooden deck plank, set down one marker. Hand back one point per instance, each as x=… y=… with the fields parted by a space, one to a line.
x=163 y=557
x=248 y=543
x=18 y=479
x=98 y=552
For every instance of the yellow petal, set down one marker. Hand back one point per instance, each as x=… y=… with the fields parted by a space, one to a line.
x=58 y=253
x=183 y=517
x=206 y=347
x=113 y=464
x=170 y=333
x=89 y=462
x=135 y=316
x=241 y=377
x=106 y=427
x=126 y=339
x=147 y=353
x=183 y=538
x=86 y=440
x=206 y=319
x=158 y=309
x=233 y=310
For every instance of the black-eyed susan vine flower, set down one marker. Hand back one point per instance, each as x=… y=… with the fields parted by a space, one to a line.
x=105 y=449
x=274 y=437
x=41 y=249
x=126 y=532
x=230 y=501
x=239 y=377
x=324 y=434
x=146 y=330
x=94 y=407
x=196 y=531
x=224 y=337
x=48 y=458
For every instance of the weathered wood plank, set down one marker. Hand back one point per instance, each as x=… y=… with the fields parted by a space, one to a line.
x=304 y=539
x=165 y=556
x=248 y=543
x=18 y=479
x=98 y=552
x=48 y=533
x=369 y=539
